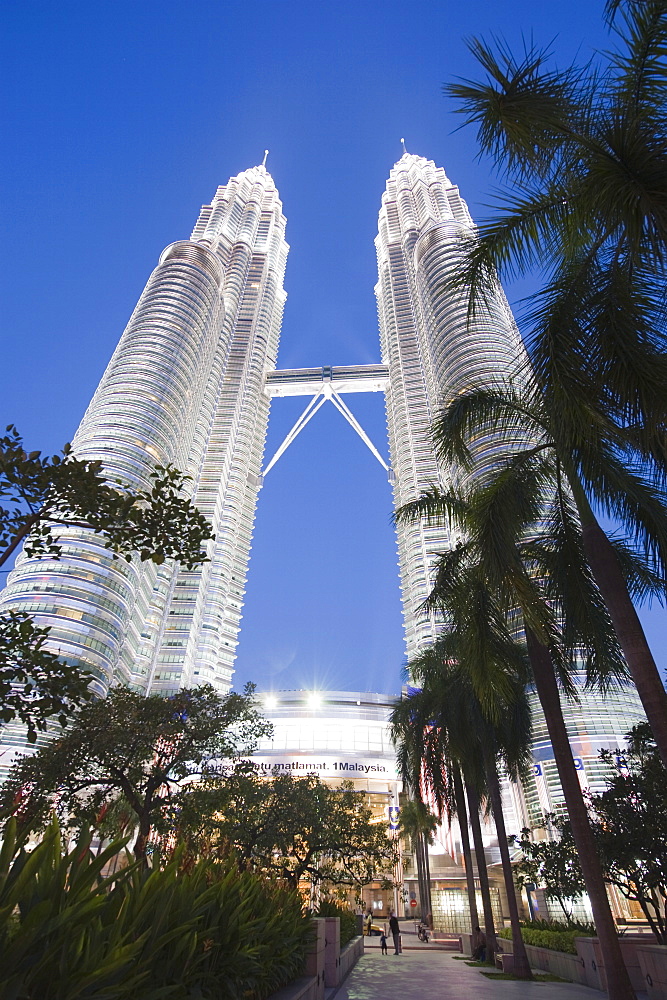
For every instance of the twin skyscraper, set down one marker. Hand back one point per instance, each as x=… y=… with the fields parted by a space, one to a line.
x=191 y=383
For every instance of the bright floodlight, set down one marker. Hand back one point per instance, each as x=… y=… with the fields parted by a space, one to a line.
x=270 y=701
x=314 y=700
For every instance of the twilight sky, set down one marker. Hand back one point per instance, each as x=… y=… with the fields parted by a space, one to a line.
x=119 y=120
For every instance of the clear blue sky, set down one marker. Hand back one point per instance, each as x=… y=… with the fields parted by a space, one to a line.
x=119 y=120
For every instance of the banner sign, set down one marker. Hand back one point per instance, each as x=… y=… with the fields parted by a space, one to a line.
x=327 y=765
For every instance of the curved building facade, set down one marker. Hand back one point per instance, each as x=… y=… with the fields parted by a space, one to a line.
x=184 y=386
x=432 y=352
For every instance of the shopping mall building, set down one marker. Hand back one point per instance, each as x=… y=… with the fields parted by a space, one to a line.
x=344 y=736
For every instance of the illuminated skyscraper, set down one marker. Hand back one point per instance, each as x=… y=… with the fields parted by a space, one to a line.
x=432 y=352
x=184 y=386
x=191 y=382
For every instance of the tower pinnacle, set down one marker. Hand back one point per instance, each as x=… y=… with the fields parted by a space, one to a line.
x=403 y=144
x=266 y=153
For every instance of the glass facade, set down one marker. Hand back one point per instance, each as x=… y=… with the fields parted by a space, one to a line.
x=434 y=351
x=184 y=386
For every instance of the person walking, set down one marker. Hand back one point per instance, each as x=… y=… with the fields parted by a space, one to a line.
x=395 y=932
x=383 y=943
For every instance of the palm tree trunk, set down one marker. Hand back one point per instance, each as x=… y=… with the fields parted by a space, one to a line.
x=482 y=874
x=618 y=982
x=613 y=587
x=462 y=813
x=521 y=963
x=419 y=858
x=427 y=882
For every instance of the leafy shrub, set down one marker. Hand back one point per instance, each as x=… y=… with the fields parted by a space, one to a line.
x=348 y=920
x=209 y=932
x=556 y=935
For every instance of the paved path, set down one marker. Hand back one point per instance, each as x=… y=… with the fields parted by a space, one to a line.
x=437 y=975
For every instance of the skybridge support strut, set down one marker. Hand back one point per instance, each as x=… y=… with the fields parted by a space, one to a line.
x=326 y=381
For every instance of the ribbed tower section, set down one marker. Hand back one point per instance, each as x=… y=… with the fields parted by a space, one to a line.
x=184 y=385
x=432 y=352
x=244 y=227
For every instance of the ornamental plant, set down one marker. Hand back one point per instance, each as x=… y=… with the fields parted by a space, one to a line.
x=69 y=933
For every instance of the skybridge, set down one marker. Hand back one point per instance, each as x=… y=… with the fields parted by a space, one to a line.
x=322 y=385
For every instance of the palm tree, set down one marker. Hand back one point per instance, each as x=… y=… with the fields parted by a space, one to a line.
x=544 y=586
x=444 y=723
x=423 y=754
x=419 y=824
x=563 y=477
x=583 y=152
x=587 y=152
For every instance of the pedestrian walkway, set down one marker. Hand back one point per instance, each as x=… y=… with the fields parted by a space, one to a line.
x=437 y=975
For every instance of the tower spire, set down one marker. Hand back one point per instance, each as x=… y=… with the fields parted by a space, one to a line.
x=266 y=153
x=403 y=144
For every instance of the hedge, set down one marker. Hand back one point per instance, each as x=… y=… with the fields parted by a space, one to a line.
x=348 y=920
x=558 y=938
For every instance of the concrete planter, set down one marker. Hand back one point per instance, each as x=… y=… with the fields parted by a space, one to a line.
x=653 y=965
x=559 y=963
x=301 y=989
x=331 y=951
x=316 y=957
x=588 y=949
x=350 y=955
x=587 y=968
x=326 y=964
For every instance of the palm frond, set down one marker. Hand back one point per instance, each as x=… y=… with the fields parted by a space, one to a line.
x=639 y=66
x=435 y=507
x=585 y=631
x=480 y=637
x=449 y=569
x=597 y=350
x=504 y=509
x=521 y=108
x=632 y=499
x=644 y=585
x=502 y=411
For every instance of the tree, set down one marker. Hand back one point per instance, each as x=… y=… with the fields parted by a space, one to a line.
x=46 y=493
x=583 y=154
x=552 y=864
x=425 y=758
x=419 y=824
x=36 y=686
x=135 y=747
x=630 y=825
x=547 y=471
x=630 y=828
x=296 y=828
x=445 y=722
x=512 y=577
x=585 y=151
